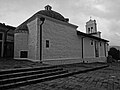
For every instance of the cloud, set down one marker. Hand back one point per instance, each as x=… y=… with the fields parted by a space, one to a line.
x=101 y=8
x=106 y=12
x=108 y=9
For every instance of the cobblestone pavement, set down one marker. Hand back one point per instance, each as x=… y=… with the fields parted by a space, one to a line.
x=102 y=79
x=14 y=64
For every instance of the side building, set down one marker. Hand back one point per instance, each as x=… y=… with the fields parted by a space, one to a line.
x=48 y=37
x=6 y=40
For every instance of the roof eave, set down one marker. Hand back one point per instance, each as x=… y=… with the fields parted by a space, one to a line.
x=87 y=35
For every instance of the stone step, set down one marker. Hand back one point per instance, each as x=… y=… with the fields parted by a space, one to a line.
x=25 y=69
x=20 y=74
x=32 y=81
x=29 y=77
x=37 y=78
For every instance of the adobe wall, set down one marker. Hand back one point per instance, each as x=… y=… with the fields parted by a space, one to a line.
x=20 y=43
x=32 y=39
x=102 y=49
x=26 y=41
x=64 y=41
x=88 y=49
x=72 y=61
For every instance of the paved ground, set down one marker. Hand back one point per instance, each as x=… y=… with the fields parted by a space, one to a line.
x=103 y=79
x=11 y=63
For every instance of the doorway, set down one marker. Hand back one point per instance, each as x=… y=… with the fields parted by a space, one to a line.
x=96 y=49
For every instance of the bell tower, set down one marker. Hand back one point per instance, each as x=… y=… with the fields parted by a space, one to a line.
x=91 y=28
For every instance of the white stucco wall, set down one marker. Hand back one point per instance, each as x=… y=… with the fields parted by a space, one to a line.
x=106 y=46
x=20 y=43
x=32 y=41
x=88 y=49
x=64 y=41
x=102 y=49
x=65 y=46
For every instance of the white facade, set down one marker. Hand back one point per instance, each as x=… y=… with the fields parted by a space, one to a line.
x=61 y=44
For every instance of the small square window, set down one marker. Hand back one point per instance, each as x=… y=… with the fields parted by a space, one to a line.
x=23 y=54
x=91 y=27
x=47 y=43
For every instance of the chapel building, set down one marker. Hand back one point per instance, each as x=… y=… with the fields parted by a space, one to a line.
x=48 y=37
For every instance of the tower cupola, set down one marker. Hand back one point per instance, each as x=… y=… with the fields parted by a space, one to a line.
x=48 y=7
x=91 y=28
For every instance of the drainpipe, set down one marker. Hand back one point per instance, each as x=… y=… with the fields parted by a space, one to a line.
x=82 y=47
x=42 y=19
x=105 y=48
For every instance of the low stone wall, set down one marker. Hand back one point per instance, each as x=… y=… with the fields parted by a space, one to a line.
x=97 y=59
x=62 y=61
x=78 y=60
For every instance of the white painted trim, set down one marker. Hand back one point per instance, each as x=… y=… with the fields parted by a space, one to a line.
x=21 y=58
x=27 y=59
x=49 y=59
x=61 y=59
x=67 y=60
x=33 y=60
x=54 y=59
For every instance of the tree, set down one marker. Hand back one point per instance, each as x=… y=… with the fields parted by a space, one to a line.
x=114 y=53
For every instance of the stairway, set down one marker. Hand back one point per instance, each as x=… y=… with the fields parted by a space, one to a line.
x=13 y=78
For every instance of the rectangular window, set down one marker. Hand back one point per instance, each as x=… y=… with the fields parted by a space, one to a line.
x=91 y=29
x=96 y=49
x=47 y=43
x=88 y=30
x=105 y=48
x=91 y=42
x=100 y=44
x=1 y=36
x=23 y=54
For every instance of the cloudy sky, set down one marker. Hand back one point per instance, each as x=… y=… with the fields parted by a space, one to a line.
x=105 y=12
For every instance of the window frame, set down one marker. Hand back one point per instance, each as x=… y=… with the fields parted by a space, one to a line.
x=47 y=43
x=100 y=44
x=91 y=42
x=89 y=30
x=21 y=53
